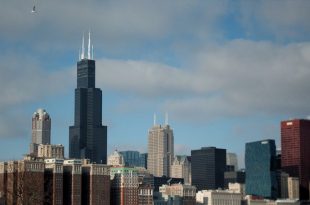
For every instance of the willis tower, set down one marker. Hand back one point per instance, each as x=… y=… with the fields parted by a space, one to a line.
x=88 y=137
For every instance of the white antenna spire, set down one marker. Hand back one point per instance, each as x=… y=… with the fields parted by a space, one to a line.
x=166 y=118
x=92 y=52
x=154 y=119
x=83 y=49
x=88 y=53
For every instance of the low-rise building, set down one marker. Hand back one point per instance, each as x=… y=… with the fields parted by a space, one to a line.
x=293 y=187
x=182 y=194
x=51 y=151
x=218 y=197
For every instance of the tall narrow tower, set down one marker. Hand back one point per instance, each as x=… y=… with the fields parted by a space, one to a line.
x=295 y=159
x=41 y=130
x=87 y=137
x=160 y=150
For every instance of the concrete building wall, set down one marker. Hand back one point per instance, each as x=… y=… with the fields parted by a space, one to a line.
x=51 y=151
x=293 y=187
x=218 y=197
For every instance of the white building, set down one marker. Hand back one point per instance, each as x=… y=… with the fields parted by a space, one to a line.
x=176 y=194
x=181 y=168
x=237 y=188
x=116 y=159
x=218 y=197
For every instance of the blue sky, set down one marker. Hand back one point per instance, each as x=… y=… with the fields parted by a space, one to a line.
x=227 y=72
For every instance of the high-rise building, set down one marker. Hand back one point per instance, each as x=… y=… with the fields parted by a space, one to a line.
x=95 y=184
x=295 y=160
x=124 y=187
x=41 y=130
x=160 y=150
x=208 y=167
x=232 y=160
x=181 y=168
x=88 y=137
x=260 y=159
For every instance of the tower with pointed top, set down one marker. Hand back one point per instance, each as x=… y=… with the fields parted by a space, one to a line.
x=87 y=137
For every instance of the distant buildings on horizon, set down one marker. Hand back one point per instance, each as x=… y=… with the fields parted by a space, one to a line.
x=157 y=177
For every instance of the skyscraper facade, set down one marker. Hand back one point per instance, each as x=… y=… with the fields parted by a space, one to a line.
x=295 y=159
x=41 y=130
x=160 y=150
x=88 y=137
x=208 y=167
x=131 y=158
x=261 y=176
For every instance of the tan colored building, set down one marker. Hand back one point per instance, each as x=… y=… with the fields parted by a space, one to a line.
x=184 y=193
x=237 y=188
x=41 y=130
x=51 y=151
x=160 y=150
x=124 y=187
x=293 y=187
x=181 y=168
x=218 y=197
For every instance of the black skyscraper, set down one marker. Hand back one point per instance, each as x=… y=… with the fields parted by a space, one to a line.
x=208 y=167
x=88 y=137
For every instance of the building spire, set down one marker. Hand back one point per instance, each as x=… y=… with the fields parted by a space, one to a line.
x=79 y=54
x=154 y=119
x=166 y=118
x=83 y=49
x=88 y=53
x=92 y=52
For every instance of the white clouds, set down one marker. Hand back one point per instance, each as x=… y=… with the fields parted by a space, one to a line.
x=282 y=19
x=236 y=79
x=22 y=81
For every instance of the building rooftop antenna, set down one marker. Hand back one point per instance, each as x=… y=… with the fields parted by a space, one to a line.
x=166 y=118
x=88 y=53
x=154 y=119
x=83 y=48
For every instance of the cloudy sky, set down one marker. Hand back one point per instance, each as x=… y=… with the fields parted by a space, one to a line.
x=227 y=72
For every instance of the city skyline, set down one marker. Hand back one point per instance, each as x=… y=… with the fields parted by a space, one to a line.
x=223 y=81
